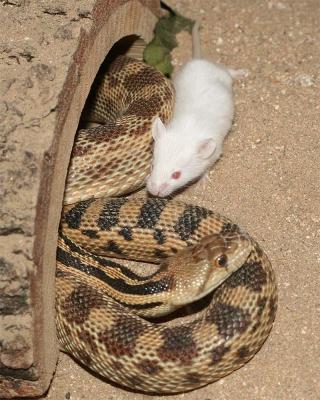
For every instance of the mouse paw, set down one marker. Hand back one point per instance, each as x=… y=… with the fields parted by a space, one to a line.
x=239 y=73
x=203 y=181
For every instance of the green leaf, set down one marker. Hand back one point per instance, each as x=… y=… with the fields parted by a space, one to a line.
x=158 y=52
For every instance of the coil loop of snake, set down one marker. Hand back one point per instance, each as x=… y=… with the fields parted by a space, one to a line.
x=102 y=306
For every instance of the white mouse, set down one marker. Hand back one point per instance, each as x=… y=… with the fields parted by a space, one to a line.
x=192 y=141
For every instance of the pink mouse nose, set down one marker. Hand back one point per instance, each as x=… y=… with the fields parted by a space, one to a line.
x=155 y=189
x=162 y=187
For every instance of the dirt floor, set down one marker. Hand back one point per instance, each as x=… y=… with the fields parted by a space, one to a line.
x=267 y=181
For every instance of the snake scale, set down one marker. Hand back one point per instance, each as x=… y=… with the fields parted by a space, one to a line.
x=103 y=306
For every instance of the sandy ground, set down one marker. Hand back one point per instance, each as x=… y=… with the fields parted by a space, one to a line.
x=267 y=181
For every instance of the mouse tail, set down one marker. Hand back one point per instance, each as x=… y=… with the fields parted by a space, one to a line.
x=196 y=47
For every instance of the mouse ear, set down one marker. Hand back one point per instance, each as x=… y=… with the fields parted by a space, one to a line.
x=206 y=148
x=158 y=128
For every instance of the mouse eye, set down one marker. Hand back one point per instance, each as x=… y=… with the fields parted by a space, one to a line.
x=222 y=260
x=176 y=175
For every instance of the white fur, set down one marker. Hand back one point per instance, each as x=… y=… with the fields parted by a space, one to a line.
x=202 y=117
x=192 y=141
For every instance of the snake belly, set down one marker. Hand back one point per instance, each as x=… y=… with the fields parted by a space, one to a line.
x=107 y=336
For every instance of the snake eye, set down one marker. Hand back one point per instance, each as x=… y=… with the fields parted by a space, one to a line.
x=222 y=260
x=176 y=175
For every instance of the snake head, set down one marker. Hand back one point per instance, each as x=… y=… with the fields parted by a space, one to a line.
x=208 y=264
x=224 y=254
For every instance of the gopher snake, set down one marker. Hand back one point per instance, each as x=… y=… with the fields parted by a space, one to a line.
x=98 y=300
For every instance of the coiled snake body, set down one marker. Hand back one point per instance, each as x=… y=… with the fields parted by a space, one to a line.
x=98 y=300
